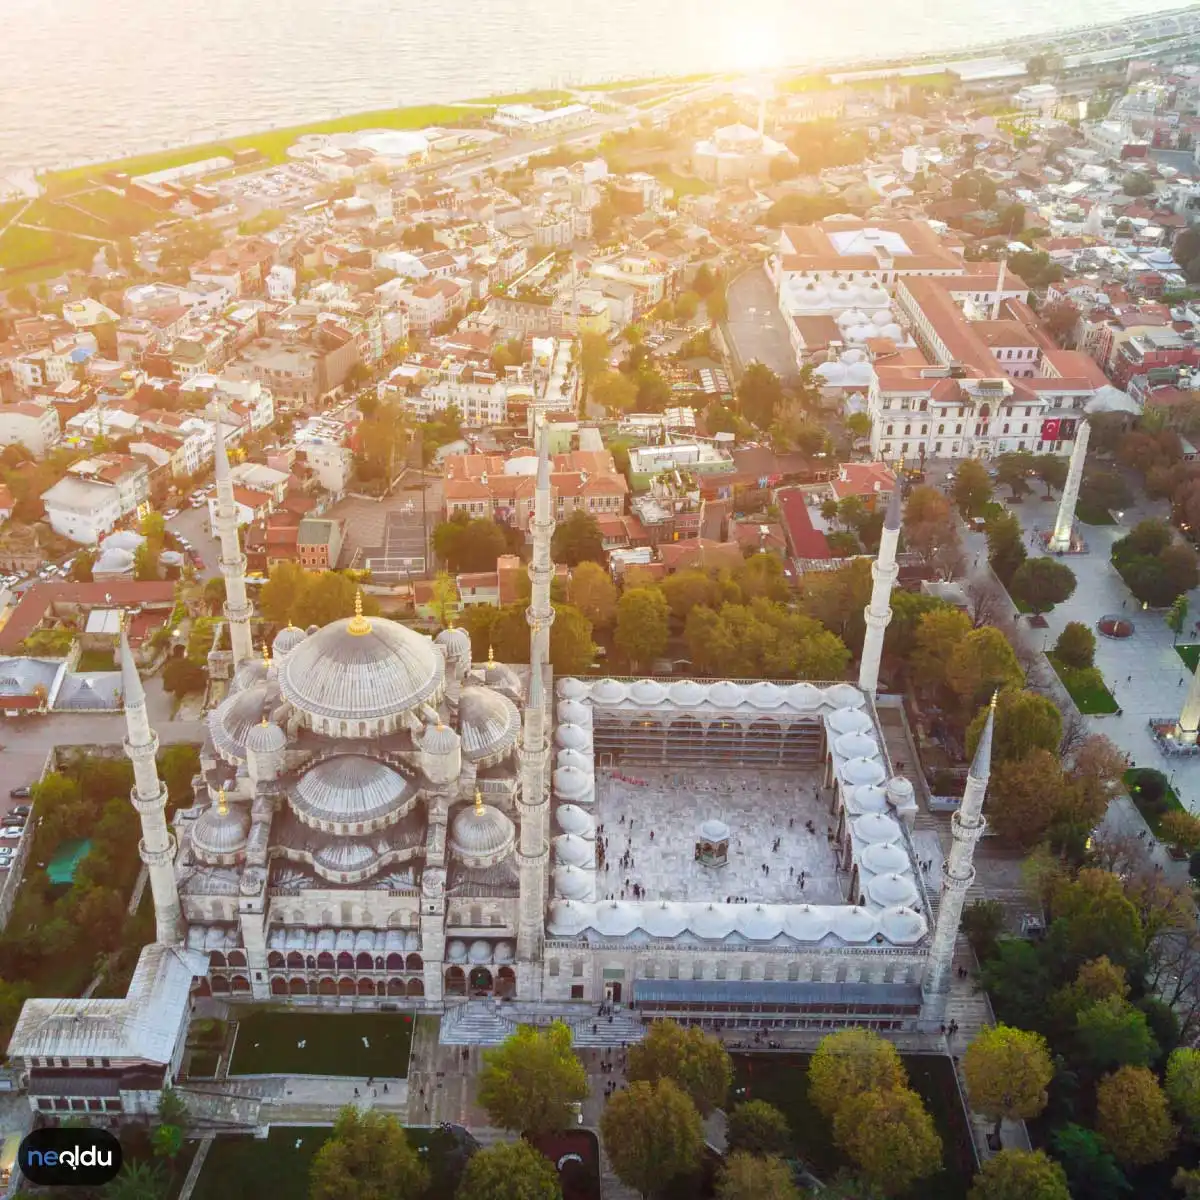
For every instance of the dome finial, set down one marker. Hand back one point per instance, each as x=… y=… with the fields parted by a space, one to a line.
x=478 y=803
x=222 y=807
x=359 y=625
x=491 y=655
x=266 y=653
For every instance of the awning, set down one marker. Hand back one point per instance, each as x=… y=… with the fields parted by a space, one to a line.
x=718 y=991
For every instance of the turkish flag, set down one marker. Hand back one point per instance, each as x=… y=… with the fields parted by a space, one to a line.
x=1050 y=431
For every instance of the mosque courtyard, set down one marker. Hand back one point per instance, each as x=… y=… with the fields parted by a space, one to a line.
x=778 y=820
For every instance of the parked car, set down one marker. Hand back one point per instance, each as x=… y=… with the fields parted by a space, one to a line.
x=22 y=810
x=170 y=514
x=20 y=793
x=12 y=833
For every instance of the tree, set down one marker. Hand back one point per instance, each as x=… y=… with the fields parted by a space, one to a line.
x=214 y=594
x=1094 y=917
x=695 y=1060
x=469 y=546
x=1041 y=583
x=81 y=568
x=1006 y=545
x=850 y=1063
x=756 y=1127
x=889 y=1137
x=531 y=1080
x=137 y=1181
x=652 y=1133
x=593 y=592
x=1060 y=319
x=642 y=625
x=510 y=1171
x=759 y=394
x=615 y=392
x=929 y=525
x=745 y=1177
x=1020 y=1175
x=572 y=650
x=689 y=589
x=1091 y=1171
x=593 y=357
x=1007 y=1071
x=369 y=1157
x=937 y=635
x=1182 y=1085
x=1022 y=796
x=687 y=304
x=858 y=425
x=1025 y=722
x=717 y=304
x=1137 y=184
x=578 y=539
x=980 y=664
x=167 y=1141
x=1187 y=1182
x=280 y=593
x=181 y=677
x=1133 y=1117
x=1076 y=645
x=972 y=487
x=1180 y=829
x=1112 y=1033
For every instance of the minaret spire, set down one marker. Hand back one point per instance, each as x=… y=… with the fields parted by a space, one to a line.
x=233 y=561
x=149 y=796
x=878 y=613
x=958 y=872
x=534 y=851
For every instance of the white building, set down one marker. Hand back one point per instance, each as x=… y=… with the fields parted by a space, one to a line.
x=528 y=120
x=332 y=464
x=1038 y=97
x=34 y=426
x=81 y=509
x=737 y=153
x=281 y=284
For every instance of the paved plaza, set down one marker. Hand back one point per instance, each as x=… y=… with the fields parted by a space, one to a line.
x=655 y=817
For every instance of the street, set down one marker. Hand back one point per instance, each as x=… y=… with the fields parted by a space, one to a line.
x=193 y=524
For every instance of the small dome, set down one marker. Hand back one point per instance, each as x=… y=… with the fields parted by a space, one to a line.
x=489 y=722
x=216 y=835
x=439 y=739
x=487 y=834
x=572 y=737
x=714 y=830
x=572 y=819
x=687 y=693
x=266 y=738
x=479 y=951
x=570 y=783
x=875 y=827
x=807 y=922
x=713 y=920
x=286 y=640
x=726 y=694
x=855 y=924
x=616 y=918
x=231 y=721
x=902 y=926
x=856 y=745
x=765 y=695
x=574 y=883
x=843 y=695
x=456 y=951
x=571 y=850
x=884 y=857
x=892 y=889
x=862 y=770
x=350 y=789
x=572 y=712
x=664 y=919
x=608 y=691
x=803 y=697
x=648 y=692
x=759 y=923
x=900 y=792
x=567 y=919
x=456 y=643
x=868 y=798
x=500 y=676
x=503 y=952
x=571 y=688
x=252 y=671
x=576 y=758
x=849 y=720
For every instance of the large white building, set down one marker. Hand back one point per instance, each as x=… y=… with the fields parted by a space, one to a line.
x=384 y=819
x=34 y=426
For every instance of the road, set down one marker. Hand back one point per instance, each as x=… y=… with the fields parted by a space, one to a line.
x=193 y=524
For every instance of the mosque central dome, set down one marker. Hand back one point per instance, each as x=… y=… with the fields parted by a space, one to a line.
x=362 y=669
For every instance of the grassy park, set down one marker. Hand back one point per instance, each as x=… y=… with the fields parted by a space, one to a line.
x=1087 y=688
x=1152 y=794
x=273 y=1042
x=1190 y=653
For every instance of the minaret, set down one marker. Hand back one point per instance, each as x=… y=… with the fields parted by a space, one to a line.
x=1189 y=718
x=149 y=797
x=878 y=613
x=233 y=561
x=533 y=852
x=958 y=873
x=1060 y=539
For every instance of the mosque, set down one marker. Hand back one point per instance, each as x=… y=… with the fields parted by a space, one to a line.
x=382 y=822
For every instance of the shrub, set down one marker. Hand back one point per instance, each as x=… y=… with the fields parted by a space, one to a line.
x=1076 y=645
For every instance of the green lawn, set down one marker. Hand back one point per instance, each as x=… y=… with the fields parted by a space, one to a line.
x=120 y=214
x=1086 y=687
x=782 y=1080
x=683 y=185
x=8 y=210
x=24 y=249
x=1153 y=813
x=52 y=215
x=95 y=660
x=546 y=96
x=268 y=1042
x=1090 y=514
x=1190 y=653
x=248 y=1168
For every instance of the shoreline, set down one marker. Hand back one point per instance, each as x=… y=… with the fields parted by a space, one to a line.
x=458 y=113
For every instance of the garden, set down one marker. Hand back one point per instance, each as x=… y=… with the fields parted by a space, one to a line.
x=1152 y=795
x=276 y=1042
x=1073 y=659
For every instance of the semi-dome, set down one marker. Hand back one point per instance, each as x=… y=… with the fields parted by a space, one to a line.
x=570 y=783
x=572 y=737
x=883 y=857
x=231 y=721
x=352 y=789
x=456 y=643
x=892 y=889
x=500 y=676
x=359 y=669
x=572 y=712
x=286 y=640
x=849 y=720
x=252 y=671
x=572 y=819
x=489 y=722
x=220 y=831
x=439 y=739
x=345 y=856
x=571 y=688
x=265 y=738
x=482 y=835
x=686 y=693
x=571 y=850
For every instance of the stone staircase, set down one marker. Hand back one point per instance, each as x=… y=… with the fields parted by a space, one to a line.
x=475 y=1023
x=486 y=1023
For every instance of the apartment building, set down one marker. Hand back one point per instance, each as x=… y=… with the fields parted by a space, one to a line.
x=34 y=426
x=94 y=495
x=318 y=543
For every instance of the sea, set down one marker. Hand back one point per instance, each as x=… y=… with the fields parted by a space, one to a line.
x=92 y=80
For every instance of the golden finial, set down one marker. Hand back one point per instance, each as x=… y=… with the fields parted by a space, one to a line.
x=478 y=803
x=995 y=697
x=266 y=653
x=289 y=624
x=222 y=807
x=491 y=656
x=359 y=625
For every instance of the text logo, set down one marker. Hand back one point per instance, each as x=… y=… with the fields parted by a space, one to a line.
x=54 y=1157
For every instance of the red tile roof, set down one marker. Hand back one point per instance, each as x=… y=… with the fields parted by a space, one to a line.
x=806 y=542
x=33 y=605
